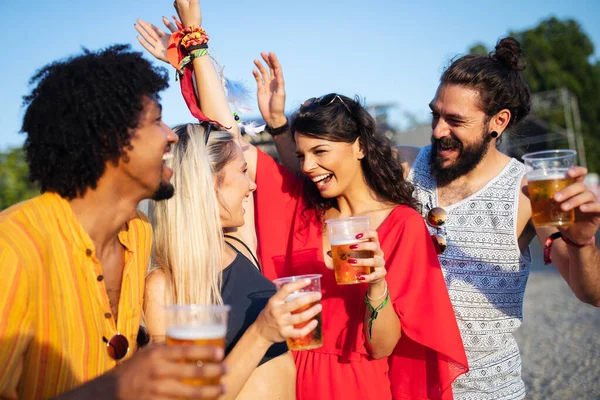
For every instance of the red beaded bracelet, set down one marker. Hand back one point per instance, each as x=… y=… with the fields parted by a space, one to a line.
x=550 y=240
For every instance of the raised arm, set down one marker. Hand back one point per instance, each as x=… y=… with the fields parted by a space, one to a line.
x=209 y=90
x=212 y=100
x=576 y=256
x=270 y=91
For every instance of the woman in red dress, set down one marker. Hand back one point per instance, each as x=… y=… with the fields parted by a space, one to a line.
x=349 y=170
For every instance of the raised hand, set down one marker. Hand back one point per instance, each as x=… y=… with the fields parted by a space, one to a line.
x=579 y=197
x=276 y=322
x=153 y=39
x=189 y=12
x=270 y=90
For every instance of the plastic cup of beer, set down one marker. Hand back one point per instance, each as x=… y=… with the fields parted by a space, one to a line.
x=342 y=235
x=315 y=338
x=204 y=325
x=547 y=174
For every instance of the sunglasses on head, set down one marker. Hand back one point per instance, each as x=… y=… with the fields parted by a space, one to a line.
x=436 y=218
x=325 y=101
x=208 y=127
x=117 y=346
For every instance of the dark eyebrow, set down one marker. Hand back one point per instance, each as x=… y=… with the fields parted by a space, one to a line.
x=312 y=148
x=448 y=116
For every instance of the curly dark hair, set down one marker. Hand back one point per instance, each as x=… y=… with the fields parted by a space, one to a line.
x=346 y=120
x=497 y=78
x=81 y=115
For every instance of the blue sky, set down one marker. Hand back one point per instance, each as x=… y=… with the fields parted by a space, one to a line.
x=382 y=50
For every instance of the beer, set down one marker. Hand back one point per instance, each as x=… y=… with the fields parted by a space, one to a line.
x=207 y=335
x=315 y=338
x=545 y=210
x=345 y=273
x=342 y=235
x=547 y=174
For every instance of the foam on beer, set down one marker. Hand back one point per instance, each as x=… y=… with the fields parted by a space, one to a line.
x=555 y=174
x=294 y=296
x=341 y=240
x=213 y=331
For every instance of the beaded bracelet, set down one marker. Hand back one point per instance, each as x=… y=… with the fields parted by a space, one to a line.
x=192 y=36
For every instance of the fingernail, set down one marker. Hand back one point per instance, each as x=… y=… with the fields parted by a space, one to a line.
x=361 y=278
x=329 y=253
x=359 y=235
x=558 y=196
x=353 y=246
x=565 y=206
x=352 y=261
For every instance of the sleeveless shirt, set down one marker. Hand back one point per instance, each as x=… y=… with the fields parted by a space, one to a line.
x=485 y=274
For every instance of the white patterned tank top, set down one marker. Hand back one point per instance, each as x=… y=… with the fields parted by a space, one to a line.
x=486 y=275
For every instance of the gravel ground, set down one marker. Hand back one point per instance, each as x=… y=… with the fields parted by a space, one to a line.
x=559 y=339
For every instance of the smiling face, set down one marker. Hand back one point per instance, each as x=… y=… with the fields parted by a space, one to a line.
x=144 y=163
x=461 y=136
x=334 y=167
x=233 y=187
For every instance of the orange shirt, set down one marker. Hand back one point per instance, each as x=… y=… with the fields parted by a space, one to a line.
x=54 y=309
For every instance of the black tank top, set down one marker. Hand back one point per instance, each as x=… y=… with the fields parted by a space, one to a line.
x=247 y=291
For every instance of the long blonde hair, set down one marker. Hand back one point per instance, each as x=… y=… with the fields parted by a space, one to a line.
x=188 y=236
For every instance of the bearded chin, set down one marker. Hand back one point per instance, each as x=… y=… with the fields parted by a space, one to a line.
x=165 y=191
x=468 y=158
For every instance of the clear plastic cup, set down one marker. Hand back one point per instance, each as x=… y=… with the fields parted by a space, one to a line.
x=547 y=174
x=342 y=235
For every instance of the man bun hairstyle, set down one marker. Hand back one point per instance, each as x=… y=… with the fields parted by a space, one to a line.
x=497 y=78
x=508 y=53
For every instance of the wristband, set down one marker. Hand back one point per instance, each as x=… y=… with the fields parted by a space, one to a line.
x=375 y=312
x=278 y=131
x=550 y=240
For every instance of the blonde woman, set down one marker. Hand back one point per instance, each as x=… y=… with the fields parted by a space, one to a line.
x=194 y=265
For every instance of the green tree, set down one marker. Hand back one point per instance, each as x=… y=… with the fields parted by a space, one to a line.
x=14 y=178
x=560 y=54
x=479 y=49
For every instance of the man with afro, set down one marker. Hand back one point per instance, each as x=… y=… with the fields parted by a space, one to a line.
x=74 y=258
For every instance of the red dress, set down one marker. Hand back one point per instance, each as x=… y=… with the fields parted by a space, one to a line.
x=430 y=353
